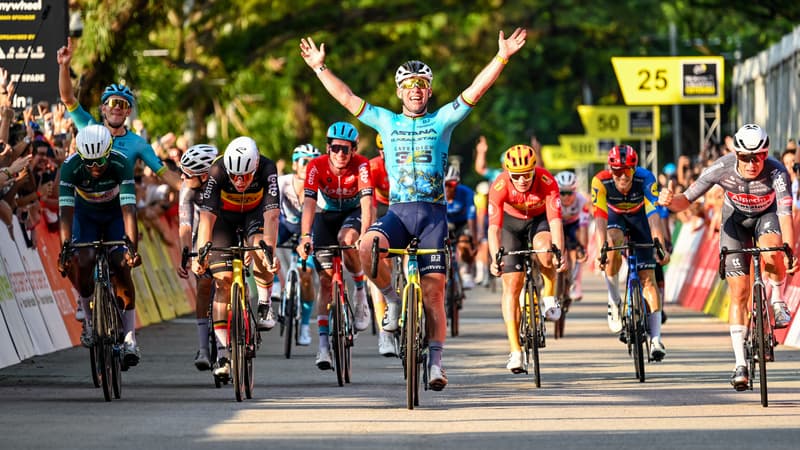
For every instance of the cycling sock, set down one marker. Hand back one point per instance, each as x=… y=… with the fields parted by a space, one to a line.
x=359 y=279
x=221 y=333
x=305 y=314
x=737 y=342
x=202 y=333
x=612 y=283
x=436 y=348
x=322 y=324
x=390 y=294
x=87 y=311
x=654 y=321
x=776 y=291
x=264 y=294
x=129 y=325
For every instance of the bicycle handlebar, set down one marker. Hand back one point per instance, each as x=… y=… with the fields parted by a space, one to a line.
x=412 y=248
x=68 y=246
x=202 y=254
x=502 y=252
x=725 y=251
x=630 y=246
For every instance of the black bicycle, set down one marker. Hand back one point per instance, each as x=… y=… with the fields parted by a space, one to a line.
x=760 y=343
x=107 y=339
x=454 y=290
x=531 y=325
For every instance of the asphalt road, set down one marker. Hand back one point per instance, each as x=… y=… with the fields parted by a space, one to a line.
x=589 y=398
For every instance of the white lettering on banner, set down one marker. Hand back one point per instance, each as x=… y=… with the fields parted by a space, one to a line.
x=35 y=5
x=63 y=302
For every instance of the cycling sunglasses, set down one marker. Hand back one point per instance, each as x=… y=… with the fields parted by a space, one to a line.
x=344 y=149
x=97 y=162
x=522 y=177
x=411 y=83
x=118 y=103
x=622 y=171
x=758 y=157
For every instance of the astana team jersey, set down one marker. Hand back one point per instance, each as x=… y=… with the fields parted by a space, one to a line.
x=415 y=149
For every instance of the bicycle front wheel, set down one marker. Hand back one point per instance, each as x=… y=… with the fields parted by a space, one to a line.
x=537 y=329
x=347 y=321
x=761 y=342
x=412 y=350
x=289 y=313
x=337 y=332
x=237 y=340
x=637 y=333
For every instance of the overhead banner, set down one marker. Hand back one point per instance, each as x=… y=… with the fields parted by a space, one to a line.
x=31 y=32
x=555 y=157
x=621 y=122
x=671 y=80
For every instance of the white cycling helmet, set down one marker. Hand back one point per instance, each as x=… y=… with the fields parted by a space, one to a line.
x=567 y=181
x=94 y=142
x=411 y=69
x=198 y=159
x=453 y=173
x=241 y=156
x=751 y=139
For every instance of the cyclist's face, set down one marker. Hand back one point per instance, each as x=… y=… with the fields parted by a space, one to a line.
x=415 y=98
x=750 y=166
x=623 y=178
x=116 y=110
x=299 y=167
x=194 y=181
x=567 y=198
x=241 y=182
x=522 y=181
x=340 y=152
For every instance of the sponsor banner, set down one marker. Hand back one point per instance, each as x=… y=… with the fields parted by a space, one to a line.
x=161 y=297
x=679 y=268
x=706 y=264
x=42 y=292
x=182 y=290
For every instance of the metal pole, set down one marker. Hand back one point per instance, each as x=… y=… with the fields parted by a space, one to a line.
x=676 y=109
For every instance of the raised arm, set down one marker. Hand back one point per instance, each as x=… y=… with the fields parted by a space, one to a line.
x=484 y=80
x=315 y=58
x=64 y=57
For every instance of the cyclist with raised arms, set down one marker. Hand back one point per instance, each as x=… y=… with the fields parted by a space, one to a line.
x=575 y=216
x=292 y=189
x=241 y=193
x=757 y=208
x=194 y=165
x=97 y=200
x=461 y=222
x=524 y=210
x=117 y=102
x=342 y=178
x=416 y=143
x=624 y=202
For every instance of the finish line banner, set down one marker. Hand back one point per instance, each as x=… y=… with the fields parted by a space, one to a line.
x=31 y=32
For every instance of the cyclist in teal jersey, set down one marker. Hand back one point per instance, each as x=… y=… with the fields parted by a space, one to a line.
x=117 y=103
x=97 y=200
x=416 y=143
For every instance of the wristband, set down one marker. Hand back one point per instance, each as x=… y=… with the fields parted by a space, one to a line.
x=502 y=60
x=321 y=69
x=305 y=235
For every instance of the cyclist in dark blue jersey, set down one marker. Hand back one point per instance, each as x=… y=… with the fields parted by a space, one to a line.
x=416 y=143
x=117 y=103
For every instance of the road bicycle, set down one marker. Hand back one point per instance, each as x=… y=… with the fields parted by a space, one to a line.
x=412 y=337
x=760 y=342
x=635 y=329
x=211 y=337
x=243 y=336
x=105 y=351
x=290 y=308
x=340 y=316
x=454 y=290
x=532 y=331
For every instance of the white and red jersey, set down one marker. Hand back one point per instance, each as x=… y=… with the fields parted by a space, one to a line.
x=341 y=192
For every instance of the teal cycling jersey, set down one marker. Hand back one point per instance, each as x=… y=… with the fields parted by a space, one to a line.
x=415 y=149
x=114 y=187
x=130 y=144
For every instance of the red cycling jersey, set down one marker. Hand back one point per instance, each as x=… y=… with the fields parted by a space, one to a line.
x=542 y=197
x=380 y=179
x=341 y=192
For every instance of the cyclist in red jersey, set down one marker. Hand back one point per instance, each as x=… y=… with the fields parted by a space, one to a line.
x=524 y=208
x=343 y=179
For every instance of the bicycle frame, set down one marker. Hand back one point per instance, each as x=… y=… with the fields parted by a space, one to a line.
x=760 y=342
x=290 y=298
x=412 y=315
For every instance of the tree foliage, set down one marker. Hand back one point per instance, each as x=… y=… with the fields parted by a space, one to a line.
x=236 y=64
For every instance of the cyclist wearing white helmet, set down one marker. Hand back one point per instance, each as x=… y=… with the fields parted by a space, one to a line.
x=416 y=171
x=575 y=218
x=194 y=165
x=292 y=196
x=97 y=199
x=117 y=102
x=757 y=210
x=342 y=178
x=241 y=193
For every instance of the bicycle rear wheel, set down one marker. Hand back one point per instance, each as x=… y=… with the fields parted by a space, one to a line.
x=412 y=350
x=237 y=340
x=104 y=337
x=289 y=313
x=637 y=333
x=337 y=332
x=761 y=342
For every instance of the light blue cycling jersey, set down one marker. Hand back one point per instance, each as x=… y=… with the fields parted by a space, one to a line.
x=130 y=144
x=415 y=149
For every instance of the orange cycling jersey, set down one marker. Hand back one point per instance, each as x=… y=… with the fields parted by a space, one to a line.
x=381 y=180
x=542 y=197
